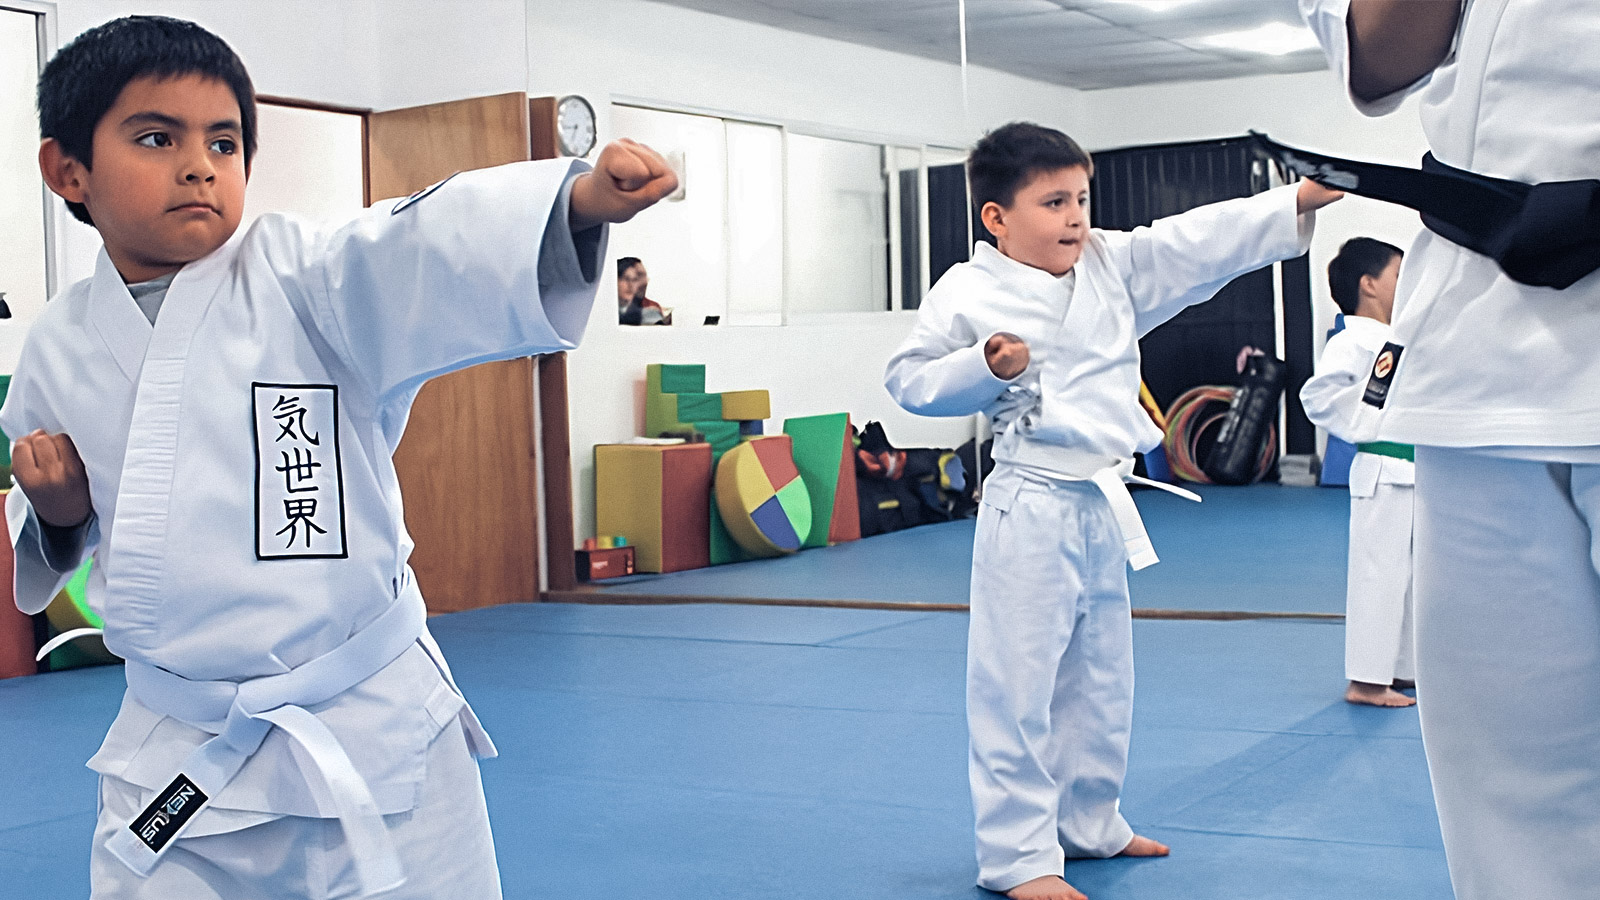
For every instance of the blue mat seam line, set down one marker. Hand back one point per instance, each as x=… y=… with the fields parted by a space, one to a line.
x=886 y=627
x=1231 y=783
x=1291 y=837
x=50 y=821
x=673 y=637
x=1296 y=733
x=708 y=701
x=769 y=795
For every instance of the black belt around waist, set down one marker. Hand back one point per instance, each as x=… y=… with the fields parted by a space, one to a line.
x=1546 y=234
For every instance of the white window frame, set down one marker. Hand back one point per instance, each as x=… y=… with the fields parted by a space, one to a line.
x=45 y=40
x=885 y=142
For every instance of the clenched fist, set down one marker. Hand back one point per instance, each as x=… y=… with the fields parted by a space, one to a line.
x=627 y=179
x=48 y=469
x=1006 y=355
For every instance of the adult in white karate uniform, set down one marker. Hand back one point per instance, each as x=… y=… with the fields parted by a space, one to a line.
x=1497 y=387
x=1049 y=654
x=212 y=416
x=1377 y=622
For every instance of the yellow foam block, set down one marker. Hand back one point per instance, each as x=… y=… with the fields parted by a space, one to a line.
x=742 y=406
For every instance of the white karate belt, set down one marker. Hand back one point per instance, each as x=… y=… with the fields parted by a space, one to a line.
x=1113 y=482
x=241 y=714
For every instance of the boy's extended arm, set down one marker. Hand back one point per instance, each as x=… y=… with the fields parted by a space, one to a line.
x=942 y=368
x=1185 y=259
x=482 y=266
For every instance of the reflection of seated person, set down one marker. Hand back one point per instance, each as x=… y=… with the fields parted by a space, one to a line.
x=633 y=307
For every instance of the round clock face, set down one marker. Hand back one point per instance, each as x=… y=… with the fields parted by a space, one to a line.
x=575 y=125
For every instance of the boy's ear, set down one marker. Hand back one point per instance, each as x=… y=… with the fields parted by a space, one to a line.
x=993 y=216
x=63 y=173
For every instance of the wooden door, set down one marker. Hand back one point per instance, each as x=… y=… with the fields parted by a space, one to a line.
x=467 y=463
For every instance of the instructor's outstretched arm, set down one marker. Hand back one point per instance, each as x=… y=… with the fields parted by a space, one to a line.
x=1395 y=42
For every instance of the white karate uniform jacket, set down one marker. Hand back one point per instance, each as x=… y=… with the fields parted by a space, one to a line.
x=1075 y=410
x=1332 y=400
x=182 y=443
x=1516 y=98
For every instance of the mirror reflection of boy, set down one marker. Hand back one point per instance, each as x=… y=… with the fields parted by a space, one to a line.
x=212 y=416
x=633 y=307
x=1041 y=335
x=1378 y=657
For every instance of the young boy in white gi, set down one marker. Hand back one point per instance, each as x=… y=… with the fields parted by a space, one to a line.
x=1042 y=335
x=1377 y=621
x=212 y=416
x=1498 y=387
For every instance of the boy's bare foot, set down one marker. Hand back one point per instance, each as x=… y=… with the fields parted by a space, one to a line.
x=1143 y=846
x=1403 y=684
x=1376 y=695
x=1048 y=887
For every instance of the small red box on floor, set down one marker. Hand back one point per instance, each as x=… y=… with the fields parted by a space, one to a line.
x=605 y=562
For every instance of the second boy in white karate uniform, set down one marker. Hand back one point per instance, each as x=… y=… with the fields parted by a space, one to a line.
x=1378 y=656
x=1042 y=336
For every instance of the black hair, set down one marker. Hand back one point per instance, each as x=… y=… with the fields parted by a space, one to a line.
x=1007 y=157
x=1359 y=256
x=626 y=263
x=83 y=80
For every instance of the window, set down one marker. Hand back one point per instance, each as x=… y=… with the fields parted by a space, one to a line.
x=836 y=229
x=776 y=225
x=24 y=213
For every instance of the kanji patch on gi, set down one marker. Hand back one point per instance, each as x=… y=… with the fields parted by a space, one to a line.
x=299 y=475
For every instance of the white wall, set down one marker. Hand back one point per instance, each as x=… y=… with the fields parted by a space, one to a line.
x=430 y=51
x=638 y=50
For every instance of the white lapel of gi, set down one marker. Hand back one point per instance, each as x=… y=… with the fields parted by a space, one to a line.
x=117 y=319
x=137 y=552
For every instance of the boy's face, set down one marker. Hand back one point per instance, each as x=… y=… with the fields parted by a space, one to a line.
x=1047 y=222
x=633 y=282
x=1382 y=288
x=167 y=186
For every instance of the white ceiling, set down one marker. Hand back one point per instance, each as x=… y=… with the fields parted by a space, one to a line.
x=1085 y=44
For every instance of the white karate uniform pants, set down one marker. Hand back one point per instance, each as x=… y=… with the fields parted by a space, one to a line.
x=444 y=846
x=1049 y=678
x=1377 y=624
x=1508 y=670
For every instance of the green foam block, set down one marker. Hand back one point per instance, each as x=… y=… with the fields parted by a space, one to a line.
x=818 y=448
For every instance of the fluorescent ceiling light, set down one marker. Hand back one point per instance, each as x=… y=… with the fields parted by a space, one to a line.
x=1154 y=5
x=1274 y=39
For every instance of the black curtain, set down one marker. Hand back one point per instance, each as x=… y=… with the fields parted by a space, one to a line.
x=947 y=218
x=947 y=229
x=1136 y=185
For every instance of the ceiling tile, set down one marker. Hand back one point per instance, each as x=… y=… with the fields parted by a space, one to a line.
x=1085 y=44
